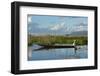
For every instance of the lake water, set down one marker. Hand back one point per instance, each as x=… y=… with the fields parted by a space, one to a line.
x=35 y=53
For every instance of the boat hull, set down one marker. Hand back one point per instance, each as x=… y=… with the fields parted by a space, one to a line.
x=58 y=46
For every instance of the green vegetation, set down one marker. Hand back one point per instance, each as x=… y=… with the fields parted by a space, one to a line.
x=50 y=40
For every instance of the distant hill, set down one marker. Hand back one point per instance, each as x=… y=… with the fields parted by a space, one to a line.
x=79 y=33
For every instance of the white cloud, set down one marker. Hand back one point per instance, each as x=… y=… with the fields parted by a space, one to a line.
x=81 y=28
x=29 y=19
x=57 y=26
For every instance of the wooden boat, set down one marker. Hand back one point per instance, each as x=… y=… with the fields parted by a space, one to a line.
x=59 y=45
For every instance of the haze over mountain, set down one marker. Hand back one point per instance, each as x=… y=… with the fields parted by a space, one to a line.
x=79 y=33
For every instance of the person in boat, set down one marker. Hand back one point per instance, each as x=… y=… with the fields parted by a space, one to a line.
x=74 y=43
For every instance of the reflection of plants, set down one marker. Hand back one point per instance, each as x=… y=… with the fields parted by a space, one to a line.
x=50 y=40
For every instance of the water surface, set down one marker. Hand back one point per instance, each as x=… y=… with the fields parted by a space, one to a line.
x=35 y=53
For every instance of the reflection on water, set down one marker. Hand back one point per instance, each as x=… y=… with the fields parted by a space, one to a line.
x=36 y=52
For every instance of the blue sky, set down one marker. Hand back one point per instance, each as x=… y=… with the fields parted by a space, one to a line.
x=59 y=25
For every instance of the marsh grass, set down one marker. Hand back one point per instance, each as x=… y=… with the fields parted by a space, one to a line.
x=50 y=40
